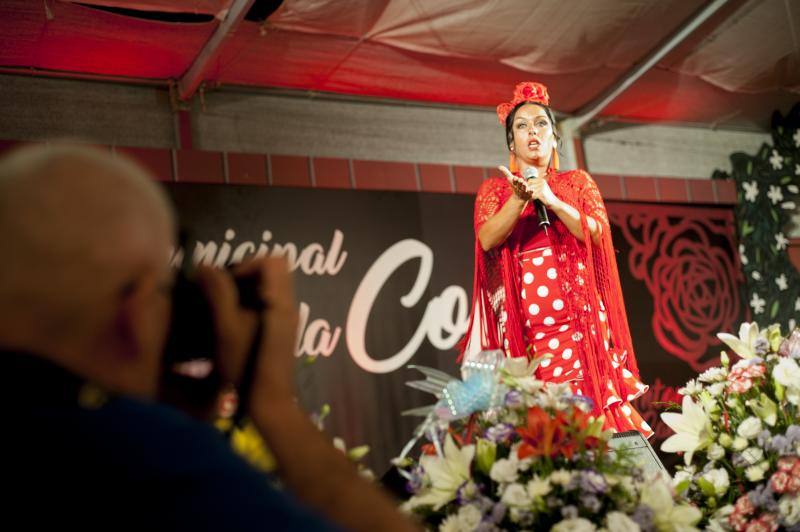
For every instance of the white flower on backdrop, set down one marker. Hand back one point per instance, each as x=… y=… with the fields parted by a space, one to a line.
x=776 y=160
x=750 y=190
x=774 y=194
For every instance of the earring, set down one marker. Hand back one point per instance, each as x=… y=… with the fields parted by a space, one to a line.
x=554 y=163
x=512 y=163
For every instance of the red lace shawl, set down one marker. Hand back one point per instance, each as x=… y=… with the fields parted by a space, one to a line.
x=586 y=271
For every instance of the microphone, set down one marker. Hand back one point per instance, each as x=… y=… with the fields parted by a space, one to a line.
x=541 y=210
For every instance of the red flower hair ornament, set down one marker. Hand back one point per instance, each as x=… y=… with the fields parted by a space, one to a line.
x=527 y=91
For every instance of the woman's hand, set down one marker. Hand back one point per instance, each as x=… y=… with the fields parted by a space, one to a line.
x=518 y=184
x=540 y=190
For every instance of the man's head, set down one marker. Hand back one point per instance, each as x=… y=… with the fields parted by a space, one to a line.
x=84 y=278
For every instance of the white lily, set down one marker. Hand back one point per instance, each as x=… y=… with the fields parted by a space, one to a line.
x=744 y=344
x=667 y=515
x=446 y=474
x=692 y=429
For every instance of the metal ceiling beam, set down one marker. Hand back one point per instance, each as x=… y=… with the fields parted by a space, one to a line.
x=191 y=79
x=570 y=127
x=591 y=109
x=69 y=74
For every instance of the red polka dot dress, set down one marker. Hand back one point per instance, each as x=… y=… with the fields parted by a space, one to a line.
x=551 y=334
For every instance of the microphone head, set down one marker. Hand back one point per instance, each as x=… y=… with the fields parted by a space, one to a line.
x=530 y=173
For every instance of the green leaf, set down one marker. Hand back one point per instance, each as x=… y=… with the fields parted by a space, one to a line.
x=682 y=485
x=749 y=167
x=774 y=310
x=785 y=180
x=485 y=455
x=747 y=228
x=779 y=390
x=774 y=214
x=706 y=487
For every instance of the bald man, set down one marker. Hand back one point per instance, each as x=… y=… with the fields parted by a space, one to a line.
x=84 y=313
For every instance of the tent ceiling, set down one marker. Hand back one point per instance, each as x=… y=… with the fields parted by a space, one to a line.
x=733 y=71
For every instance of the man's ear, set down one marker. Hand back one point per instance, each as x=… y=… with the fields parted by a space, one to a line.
x=131 y=319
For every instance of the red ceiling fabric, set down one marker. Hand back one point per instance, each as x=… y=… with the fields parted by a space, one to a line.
x=732 y=71
x=661 y=95
x=85 y=40
x=343 y=65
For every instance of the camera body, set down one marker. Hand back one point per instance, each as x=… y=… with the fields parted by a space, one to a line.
x=192 y=344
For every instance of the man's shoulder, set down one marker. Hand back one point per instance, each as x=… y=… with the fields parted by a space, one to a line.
x=124 y=453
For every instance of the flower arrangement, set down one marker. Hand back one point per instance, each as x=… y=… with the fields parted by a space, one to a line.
x=247 y=442
x=534 y=459
x=739 y=431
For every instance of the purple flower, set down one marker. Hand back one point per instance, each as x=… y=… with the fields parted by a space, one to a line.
x=793 y=433
x=483 y=503
x=763 y=497
x=763 y=437
x=780 y=444
x=643 y=516
x=591 y=503
x=592 y=482
x=498 y=512
x=553 y=502
x=761 y=346
x=583 y=402
x=569 y=512
x=747 y=362
x=414 y=484
x=500 y=433
x=514 y=399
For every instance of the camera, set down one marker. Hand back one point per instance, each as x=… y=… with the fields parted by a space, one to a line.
x=190 y=376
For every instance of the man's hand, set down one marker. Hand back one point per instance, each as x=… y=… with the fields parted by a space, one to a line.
x=235 y=327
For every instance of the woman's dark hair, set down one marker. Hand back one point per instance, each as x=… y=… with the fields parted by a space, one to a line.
x=513 y=113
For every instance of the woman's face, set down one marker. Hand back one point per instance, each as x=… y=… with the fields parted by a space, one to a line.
x=534 y=138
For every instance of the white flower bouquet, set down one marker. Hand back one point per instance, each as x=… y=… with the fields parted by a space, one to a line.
x=739 y=433
x=532 y=457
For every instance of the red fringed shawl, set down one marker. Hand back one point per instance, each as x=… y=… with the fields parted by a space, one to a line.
x=585 y=271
